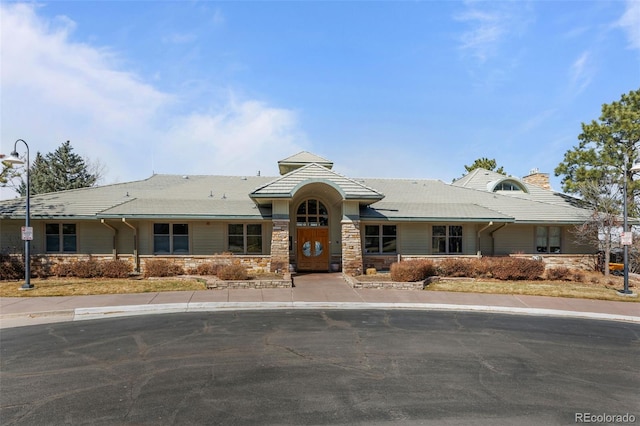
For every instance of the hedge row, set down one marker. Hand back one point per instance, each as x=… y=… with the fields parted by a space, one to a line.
x=502 y=268
x=12 y=268
x=94 y=269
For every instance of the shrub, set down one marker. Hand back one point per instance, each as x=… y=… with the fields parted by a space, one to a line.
x=480 y=267
x=162 y=268
x=232 y=272
x=514 y=268
x=86 y=269
x=454 y=267
x=412 y=270
x=579 y=276
x=561 y=273
x=116 y=269
x=11 y=268
x=63 y=270
x=207 y=269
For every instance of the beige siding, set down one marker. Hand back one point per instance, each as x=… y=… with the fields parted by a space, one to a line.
x=281 y=208
x=569 y=245
x=93 y=238
x=126 y=243
x=207 y=237
x=351 y=208
x=469 y=239
x=413 y=238
x=267 y=228
x=10 y=236
x=514 y=239
x=145 y=237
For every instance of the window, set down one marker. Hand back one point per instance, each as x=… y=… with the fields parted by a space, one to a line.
x=380 y=239
x=548 y=239
x=507 y=186
x=170 y=238
x=60 y=237
x=446 y=239
x=245 y=238
x=312 y=213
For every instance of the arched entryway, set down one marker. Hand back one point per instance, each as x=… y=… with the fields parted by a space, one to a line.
x=312 y=231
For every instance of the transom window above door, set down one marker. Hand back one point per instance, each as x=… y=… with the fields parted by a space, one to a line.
x=312 y=213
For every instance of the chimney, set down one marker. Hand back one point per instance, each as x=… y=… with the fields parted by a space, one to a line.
x=539 y=179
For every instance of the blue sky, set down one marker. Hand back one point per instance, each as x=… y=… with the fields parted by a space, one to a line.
x=413 y=89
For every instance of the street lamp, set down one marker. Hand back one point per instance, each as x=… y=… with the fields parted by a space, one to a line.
x=27 y=233
x=626 y=242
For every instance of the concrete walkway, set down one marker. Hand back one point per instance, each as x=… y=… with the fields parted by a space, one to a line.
x=311 y=291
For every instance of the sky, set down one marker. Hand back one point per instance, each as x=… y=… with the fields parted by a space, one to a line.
x=397 y=89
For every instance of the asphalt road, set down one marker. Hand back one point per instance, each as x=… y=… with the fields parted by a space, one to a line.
x=319 y=367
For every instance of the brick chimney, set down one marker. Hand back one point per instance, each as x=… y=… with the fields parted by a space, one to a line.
x=539 y=179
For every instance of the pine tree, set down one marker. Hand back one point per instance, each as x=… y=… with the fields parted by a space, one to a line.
x=58 y=171
x=606 y=151
x=485 y=163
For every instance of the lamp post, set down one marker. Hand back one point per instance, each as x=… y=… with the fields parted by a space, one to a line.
x=27 y=233
x=627 y=241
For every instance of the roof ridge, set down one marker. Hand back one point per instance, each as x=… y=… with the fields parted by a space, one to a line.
x=324 y=170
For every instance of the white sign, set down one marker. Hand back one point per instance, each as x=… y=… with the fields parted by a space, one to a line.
x=27 y=233
x=626 y=238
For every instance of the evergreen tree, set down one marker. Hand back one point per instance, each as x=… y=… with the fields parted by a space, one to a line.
x=58 y=171
x=485 y=163
x=607 y=150
x=39 y=177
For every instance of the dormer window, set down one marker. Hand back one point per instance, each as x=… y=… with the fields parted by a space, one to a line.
x=507 y=186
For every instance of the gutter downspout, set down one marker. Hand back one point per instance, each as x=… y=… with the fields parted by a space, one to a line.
x=135 y=244
x=493 y=241
x=115 y=238
x=479 y=252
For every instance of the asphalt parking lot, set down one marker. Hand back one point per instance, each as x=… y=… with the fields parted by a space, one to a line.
x=319 y=367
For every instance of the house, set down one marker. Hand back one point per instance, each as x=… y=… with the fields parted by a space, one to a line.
x=309 y=217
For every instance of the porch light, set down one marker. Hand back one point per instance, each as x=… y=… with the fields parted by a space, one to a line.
x=27 y=233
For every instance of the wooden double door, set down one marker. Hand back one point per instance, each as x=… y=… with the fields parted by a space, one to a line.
x=313 y=249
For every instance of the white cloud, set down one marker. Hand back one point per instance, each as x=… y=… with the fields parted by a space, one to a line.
x=630 y=22
x=581 y=72
x=489 y=25
x=55 y=90
x=242 y=138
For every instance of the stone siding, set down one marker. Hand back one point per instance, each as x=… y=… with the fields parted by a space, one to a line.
x=255 y=264
x=380 y=262
x=384 y=285
x=280 y=246
x=351 y=247
x=538 y=179
x=249 y=284
x=585 y=262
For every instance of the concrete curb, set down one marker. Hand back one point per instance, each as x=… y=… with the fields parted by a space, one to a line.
x=80 y=314
x=84 y=314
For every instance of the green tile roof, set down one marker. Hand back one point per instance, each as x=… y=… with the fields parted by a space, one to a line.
x=211 y=197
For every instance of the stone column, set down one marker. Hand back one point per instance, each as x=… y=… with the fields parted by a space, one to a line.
x=351 y=247
x=280 y=245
